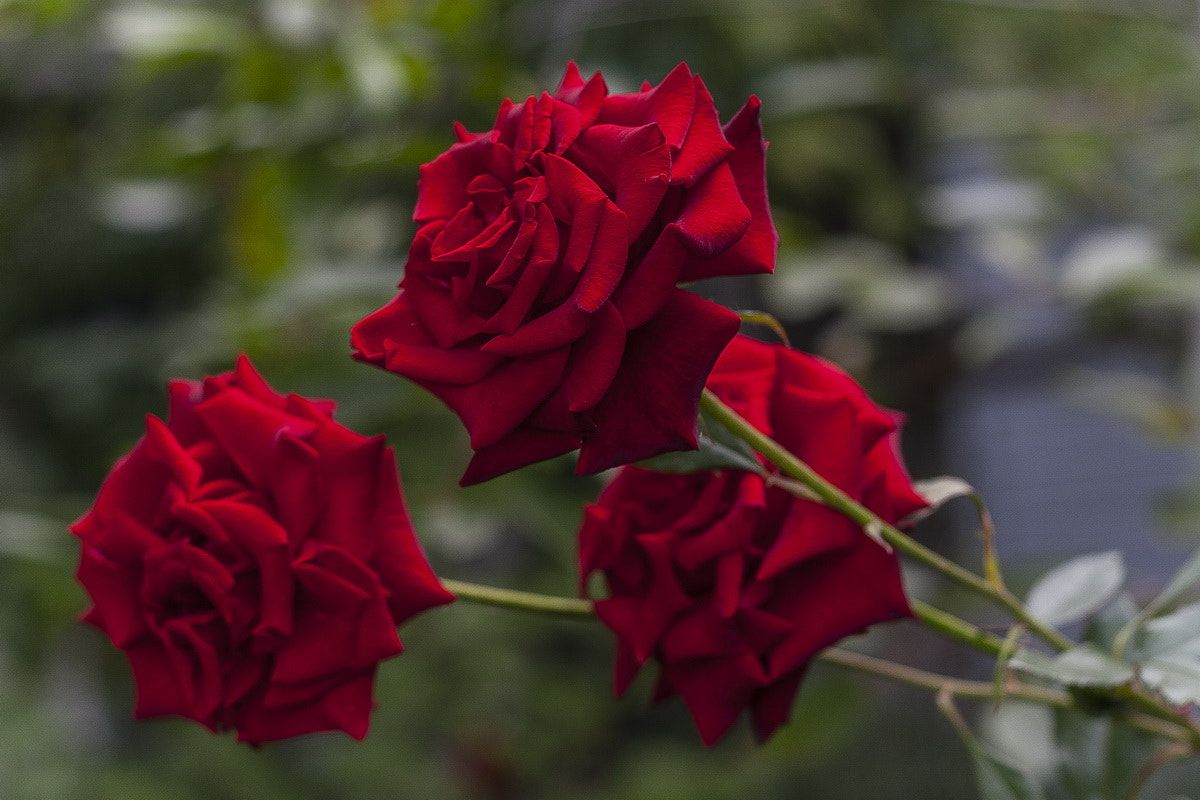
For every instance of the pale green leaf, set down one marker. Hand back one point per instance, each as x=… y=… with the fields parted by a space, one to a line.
x=998 y=780
x=1187 y=576
x=1170 y=634
x=1078 y=588
x=710 y=455
x=1175 y=676
x=1081 y=666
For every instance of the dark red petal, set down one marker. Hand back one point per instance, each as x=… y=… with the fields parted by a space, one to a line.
x=247 y=431
x=587 y=97
x=394 y=338
x=713 y=217
x=715 y=691
x=158 y=687
x=744 y=378
x=755 y=251
x=442 y=187
x=494 y=406
x=705 y=145
x=520 y=448
x=597 y=247
x=410 y=584
x=550 y=332
x=835 y=597
x=595 y=359
x=266 y=541
x=117 y=608
x=537 y=270
x=459 y=366
x=643 y=619
x=634 y=163
x=773 y=704
x=654 y=399
x=651 y=283
x=344 y=706
x=670 y=105
x=810 y=530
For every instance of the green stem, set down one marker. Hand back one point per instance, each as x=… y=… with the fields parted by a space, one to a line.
x=837 y=499
x=957 y=629
x=948 y=687
x=934 y=682
x=521 y=601
x=939 y=620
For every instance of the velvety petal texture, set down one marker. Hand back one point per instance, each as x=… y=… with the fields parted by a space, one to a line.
x=732 y=585
x=253 y=558
x=539 y=301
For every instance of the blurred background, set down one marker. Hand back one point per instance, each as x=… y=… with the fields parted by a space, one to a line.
x=990 y=215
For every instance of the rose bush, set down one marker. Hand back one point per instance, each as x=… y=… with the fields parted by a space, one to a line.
x=539 y=300
x=734 y=585
x=253 y=558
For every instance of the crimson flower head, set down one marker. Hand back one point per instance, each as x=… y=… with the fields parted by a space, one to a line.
x=539 y=301
x=253 y=558
x=733 y=585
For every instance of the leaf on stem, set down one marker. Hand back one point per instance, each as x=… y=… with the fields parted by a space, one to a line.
x=1177 y=633
x=1077 y=589
x=1187 y=576
x=941 y=490
x=719 y=449
x=995 y=777
x=937 y=492
x=1085 y=665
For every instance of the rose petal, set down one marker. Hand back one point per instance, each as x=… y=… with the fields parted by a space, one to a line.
x=705 y=145
x=520 y=448
x=755 y=251
x=713 y=215
x=595 y=359
x=670 y=105
x=494 y=406
x=652 y=404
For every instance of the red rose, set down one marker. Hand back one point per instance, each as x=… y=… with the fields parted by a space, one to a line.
x=539 y=300
x=733 y=585
x=253 y=558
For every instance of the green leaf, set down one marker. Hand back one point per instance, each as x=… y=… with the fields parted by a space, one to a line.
x=1103 y=629
x=1187 y=576
x=1175 y=676
x=1085 y=665
x=1099 y=758
x=1177 y=633
x=998 y=780
x=710 y=455
x=937 y=492
x=719 y=448
x=1184 y=579
x=1078 y=588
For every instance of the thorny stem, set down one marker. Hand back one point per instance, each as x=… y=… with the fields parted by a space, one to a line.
x=949 y=688
x=837 y=499
x=1152 y=721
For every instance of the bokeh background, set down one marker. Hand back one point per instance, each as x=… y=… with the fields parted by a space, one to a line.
x=990 y=214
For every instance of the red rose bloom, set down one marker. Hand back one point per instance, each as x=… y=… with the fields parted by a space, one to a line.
x=253 y=559
x=733 y=585
x=539 y=301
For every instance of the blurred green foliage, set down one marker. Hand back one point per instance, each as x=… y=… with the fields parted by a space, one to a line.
x=183 y=180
